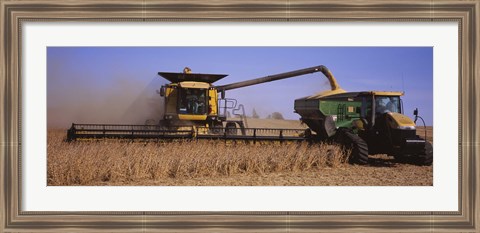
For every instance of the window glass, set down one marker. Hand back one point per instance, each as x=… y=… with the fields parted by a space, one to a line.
x=192 y=101
x=385 y=104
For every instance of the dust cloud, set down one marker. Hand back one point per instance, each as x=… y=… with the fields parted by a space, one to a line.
x=125 y=100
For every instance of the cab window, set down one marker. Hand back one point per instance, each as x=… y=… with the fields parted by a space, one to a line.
x=192 y=101
x=385 y=104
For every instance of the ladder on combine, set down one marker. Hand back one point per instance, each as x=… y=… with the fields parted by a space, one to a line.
x=236 y=110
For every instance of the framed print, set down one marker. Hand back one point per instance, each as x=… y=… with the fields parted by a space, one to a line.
x=127 y=101
x=58 y=60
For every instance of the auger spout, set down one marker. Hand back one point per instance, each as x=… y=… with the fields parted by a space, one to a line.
x=333 y=83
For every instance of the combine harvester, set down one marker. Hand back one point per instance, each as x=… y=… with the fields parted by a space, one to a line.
x=368 y=122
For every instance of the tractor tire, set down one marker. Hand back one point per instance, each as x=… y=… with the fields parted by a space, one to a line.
x=401 y=158
x=358 y=147
x=426 y=158
x=231 y=128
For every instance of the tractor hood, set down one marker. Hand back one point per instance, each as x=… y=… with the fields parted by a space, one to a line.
x=399 y=121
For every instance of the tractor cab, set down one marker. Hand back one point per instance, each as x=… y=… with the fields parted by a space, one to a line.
x=388 y=129
x=384 y=104
x=381 y=105
x=388 y=111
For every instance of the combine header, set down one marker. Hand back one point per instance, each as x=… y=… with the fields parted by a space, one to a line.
x=130 y=132
x=366 y=122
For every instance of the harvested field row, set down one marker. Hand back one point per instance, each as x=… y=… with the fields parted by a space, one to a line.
x=84 y=163
x=218 y=164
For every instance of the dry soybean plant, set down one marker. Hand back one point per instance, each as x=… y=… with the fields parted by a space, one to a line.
x=90 y=162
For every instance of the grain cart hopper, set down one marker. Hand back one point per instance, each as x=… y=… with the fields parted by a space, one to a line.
x=369 y=122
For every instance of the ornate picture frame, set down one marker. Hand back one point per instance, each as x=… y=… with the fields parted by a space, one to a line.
x=14 y=13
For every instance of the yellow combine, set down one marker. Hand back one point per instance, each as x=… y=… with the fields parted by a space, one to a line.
x=191 y=99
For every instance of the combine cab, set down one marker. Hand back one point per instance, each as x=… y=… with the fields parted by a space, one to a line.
x=192 y=100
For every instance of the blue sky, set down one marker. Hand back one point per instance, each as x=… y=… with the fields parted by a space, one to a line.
x=117 y=84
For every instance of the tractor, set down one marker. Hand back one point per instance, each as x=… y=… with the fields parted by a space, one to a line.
x=367 y=122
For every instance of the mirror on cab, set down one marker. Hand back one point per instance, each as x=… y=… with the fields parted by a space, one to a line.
x=162 y=91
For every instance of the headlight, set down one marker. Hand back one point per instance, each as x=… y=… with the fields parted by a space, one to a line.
x=411 y=127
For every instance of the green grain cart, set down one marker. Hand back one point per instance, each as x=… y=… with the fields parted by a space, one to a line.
x=368 y=122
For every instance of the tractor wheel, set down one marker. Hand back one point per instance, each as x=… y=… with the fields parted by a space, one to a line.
x=231 y=128
x=358 y=147
x=427 y=157
x=401 y=158
x=424 y=158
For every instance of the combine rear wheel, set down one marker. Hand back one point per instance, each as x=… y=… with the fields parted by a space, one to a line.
x=358 y=147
